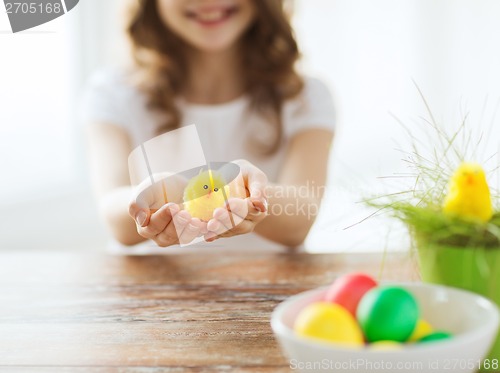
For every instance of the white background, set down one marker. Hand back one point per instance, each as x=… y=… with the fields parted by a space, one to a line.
x=367 y=51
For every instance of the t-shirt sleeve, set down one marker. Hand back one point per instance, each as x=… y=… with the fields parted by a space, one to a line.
x=104 y=100
x=313 y=108
x=110 y=97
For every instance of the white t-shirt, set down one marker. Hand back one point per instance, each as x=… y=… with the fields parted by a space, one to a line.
x=223 y=129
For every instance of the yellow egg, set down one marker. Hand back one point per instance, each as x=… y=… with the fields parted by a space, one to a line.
x=422 y=329
x=328 y=322
x=385 y=346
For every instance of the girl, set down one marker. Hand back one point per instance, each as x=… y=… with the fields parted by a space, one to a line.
x=229 y=67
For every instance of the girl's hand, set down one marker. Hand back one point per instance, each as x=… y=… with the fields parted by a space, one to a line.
x=164 y=223
x=168 y=226
x=241 y=215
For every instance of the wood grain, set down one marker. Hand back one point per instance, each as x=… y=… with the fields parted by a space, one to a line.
x=65 y=312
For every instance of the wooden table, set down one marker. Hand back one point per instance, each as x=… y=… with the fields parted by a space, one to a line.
x=67 y=312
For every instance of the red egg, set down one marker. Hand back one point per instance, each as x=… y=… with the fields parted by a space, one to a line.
x=348 y=290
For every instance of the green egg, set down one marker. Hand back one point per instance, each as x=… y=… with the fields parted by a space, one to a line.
x=436 y=336
x=388 y=313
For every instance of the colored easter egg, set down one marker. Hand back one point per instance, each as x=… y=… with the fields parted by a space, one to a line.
x=328 y=322
x=385 y=346
x=349 y=289
x=387 y=313
x=436 y=336
x=422 y=329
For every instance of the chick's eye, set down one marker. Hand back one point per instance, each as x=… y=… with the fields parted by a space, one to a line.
x=216 y=189
x=205 y=186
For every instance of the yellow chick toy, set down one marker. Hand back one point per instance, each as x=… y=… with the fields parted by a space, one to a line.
x=204 y=193
x=469 y=195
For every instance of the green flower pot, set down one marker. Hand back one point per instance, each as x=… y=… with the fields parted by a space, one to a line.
x=474 y=269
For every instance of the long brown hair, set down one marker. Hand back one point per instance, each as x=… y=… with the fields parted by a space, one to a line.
x=269 y=54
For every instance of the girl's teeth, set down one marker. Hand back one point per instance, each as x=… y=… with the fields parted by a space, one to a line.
x=211 y=16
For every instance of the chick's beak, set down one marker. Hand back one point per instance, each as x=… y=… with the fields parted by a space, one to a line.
x=470 y=179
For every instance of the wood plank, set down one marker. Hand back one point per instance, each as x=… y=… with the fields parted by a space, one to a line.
x=57 y=268
x=38 y=304
x=65 y=312
x=160 y=369
x=140 y=343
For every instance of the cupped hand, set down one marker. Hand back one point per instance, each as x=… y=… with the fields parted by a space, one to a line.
x=162 y=221
x=255 y=182
x=241 y=215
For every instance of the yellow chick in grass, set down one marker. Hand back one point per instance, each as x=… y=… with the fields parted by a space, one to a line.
x=469 y=195
x=204 y=193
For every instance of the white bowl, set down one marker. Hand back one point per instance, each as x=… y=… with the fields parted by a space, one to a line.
x=473 y=320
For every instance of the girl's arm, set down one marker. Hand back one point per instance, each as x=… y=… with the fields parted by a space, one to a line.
x=291 y=205
x=297 y=193
x=131 y=222
x=294 y=201
x=108 y=149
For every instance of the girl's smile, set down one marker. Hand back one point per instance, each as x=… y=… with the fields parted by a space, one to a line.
x=212 y=16
x=207 y=25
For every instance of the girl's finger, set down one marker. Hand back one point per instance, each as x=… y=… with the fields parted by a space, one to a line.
x=140 y=215
x=255 y=214
x=203 y=227
x=246 y=226
x=191 y=231
x=168 y=236
x=159 y=220
x=180 y=221
x=210 y=236
x=260 y=204
x=257 y=188
x=256 y=183
x=219 y=226
x=240 y=207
